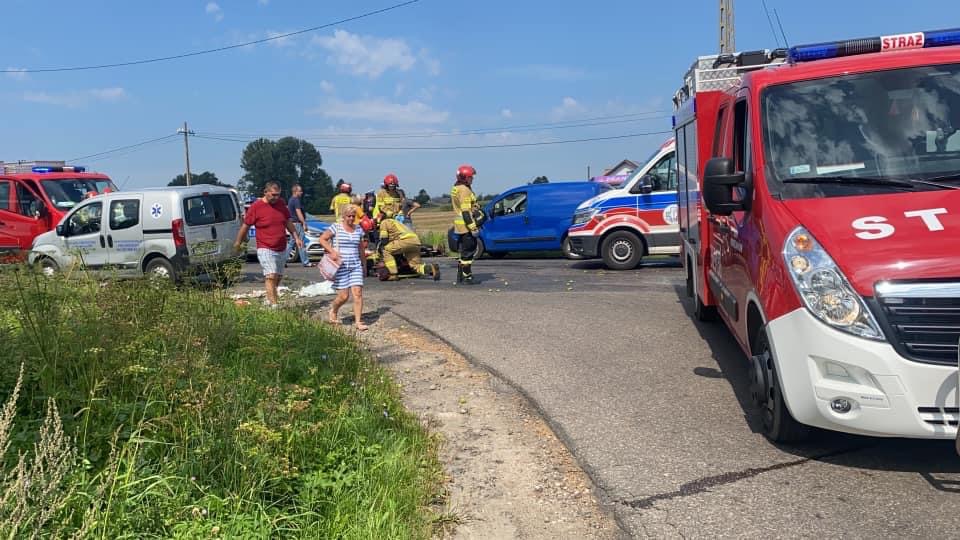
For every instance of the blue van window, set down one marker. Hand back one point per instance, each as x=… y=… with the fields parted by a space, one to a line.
x=514 y=203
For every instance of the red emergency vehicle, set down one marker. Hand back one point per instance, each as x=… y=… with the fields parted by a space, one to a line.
x=35 y=195
x=827 y=240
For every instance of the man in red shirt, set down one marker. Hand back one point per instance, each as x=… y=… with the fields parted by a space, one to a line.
x=269 y=214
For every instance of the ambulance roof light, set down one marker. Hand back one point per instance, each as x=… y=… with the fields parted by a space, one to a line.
x=850 y=47
x=69 y=168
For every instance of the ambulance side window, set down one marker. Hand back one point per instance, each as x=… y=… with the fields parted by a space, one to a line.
x=665 y=173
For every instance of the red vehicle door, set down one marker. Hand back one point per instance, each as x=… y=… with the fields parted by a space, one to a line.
x=8 y=238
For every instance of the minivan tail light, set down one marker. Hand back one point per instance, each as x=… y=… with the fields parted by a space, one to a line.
x=179 y=239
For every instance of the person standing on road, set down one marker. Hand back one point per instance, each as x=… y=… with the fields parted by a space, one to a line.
x=400 y=241
x=407 y=208
x=340 y=199
x=295 y=207
x=271 y=217
x=465 y=226
x=347 y=249
x=389 y=199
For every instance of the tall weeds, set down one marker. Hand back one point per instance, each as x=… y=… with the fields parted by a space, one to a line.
x=147 y=411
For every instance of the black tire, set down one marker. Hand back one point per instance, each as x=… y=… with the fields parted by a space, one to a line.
x=567 y=251
x=622 y=250
x=49 y=267
x=481 y=249
x=160 y=269
x=777 y=423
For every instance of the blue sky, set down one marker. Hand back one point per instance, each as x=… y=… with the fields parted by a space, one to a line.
x=437 y=67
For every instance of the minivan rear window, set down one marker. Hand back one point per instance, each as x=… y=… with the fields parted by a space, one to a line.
x=209 y=209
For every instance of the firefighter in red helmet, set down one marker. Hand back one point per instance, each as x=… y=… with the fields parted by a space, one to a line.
x=466 y=222
x=389 y=198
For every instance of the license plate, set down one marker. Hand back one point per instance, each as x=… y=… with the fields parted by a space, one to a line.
x=206 y=248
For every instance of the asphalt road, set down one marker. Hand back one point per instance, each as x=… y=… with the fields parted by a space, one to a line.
x=656 y=407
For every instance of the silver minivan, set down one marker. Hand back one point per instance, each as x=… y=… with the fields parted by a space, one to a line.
x=164 y=232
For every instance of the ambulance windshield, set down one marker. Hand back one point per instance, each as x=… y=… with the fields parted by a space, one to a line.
x=897 y=124
x=66 y=193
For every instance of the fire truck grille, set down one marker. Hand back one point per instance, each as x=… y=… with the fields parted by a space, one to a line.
x=926 y=329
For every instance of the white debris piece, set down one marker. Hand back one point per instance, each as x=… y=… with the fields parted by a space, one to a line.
x=316 y=289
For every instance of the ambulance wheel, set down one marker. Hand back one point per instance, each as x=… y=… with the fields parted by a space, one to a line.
x=778 y=424
x=567 y=250
x=160 y=269
x=622 y=250
x=48 y=267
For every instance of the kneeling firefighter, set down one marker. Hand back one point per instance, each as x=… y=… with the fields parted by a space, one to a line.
x=466 y=224
x=399 y=241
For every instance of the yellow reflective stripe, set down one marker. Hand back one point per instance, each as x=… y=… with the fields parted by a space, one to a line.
x=459 y=222
x=466 y=206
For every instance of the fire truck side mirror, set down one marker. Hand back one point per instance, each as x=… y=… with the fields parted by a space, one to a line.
x=719 y=179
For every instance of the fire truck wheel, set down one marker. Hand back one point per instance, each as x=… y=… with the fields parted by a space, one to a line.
x=622 y=250
x=777 y=422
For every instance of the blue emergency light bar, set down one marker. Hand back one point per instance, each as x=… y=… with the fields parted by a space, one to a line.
x=850 y=47
x=58 y=169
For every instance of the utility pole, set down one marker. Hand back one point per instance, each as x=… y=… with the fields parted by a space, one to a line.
x=588 y=172
x=727 y=42
x=186 y=147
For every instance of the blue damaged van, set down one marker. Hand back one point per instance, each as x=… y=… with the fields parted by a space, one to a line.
x=533 y=217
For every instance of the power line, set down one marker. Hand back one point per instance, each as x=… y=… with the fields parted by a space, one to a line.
x=622 y=119
x=776 y=38
x=460 y=147
x=123 y=153
x=215 y=50
x=112 y=150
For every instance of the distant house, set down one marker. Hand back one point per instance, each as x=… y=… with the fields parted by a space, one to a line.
x=618 y=173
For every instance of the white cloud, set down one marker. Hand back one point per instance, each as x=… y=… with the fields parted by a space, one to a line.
x=76 y=98
x=568 y=108
x=17 y=74
x=506 y=113
x=380 y=110
x=213 y=9
x=366 y=55
x=327 y=87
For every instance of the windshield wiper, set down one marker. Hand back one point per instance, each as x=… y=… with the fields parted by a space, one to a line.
x=855 y=180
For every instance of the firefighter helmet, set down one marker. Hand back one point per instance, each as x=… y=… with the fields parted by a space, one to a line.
x=391 y=180
x=466 y=172
x=367 y=224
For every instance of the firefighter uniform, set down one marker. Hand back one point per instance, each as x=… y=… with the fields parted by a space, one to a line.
x=338 y=201
x=465 y=207
x=388 y=202
x=401 y=241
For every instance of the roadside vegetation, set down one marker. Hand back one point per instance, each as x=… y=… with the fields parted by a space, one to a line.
x=134 y=410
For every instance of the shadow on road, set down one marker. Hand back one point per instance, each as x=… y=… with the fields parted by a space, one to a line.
x=646 y=262
x=929 y=458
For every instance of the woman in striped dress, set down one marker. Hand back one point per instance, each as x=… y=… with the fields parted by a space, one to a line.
x=348 y=246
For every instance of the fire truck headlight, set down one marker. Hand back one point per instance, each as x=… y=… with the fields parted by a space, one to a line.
x=823 y=288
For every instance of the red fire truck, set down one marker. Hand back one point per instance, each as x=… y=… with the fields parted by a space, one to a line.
x=827 y=237
x=35 y=195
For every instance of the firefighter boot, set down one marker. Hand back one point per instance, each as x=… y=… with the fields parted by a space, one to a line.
x=467 y=274
x=392 y=277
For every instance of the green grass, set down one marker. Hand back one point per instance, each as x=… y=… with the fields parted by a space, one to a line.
x=191 y=417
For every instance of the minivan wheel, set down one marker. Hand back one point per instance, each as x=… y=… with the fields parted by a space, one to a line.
x=48 y=267
x=622 y=250
x=160 y=269
x=567 y=250
x=778 y=424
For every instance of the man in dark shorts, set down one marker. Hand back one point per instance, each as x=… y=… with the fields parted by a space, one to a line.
x=270 y=216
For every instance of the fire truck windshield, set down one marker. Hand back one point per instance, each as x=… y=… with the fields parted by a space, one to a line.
x=67 y=192
x=901 y=124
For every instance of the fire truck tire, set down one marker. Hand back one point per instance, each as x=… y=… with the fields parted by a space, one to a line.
x=778 y=424
x=622 y=250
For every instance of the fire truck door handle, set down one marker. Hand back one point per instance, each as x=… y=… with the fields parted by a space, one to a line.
x=213 y=231
x=102 y=242
x=110 y=240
